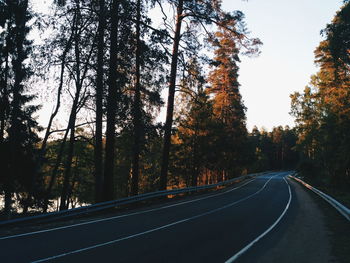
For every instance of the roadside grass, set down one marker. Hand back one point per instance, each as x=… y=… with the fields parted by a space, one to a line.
x=339 y=195
x=338 y=226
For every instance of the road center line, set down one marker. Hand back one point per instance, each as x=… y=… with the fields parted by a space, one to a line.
x=154 y=229
x=243 y=250
x=126 y=215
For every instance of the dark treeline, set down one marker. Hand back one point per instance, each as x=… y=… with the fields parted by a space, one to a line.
x=275 y=150
x=322 y=111
x=103 y=66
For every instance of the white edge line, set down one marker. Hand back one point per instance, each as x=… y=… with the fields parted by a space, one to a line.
x=121 y=216
x=243 y=250
x=152 y=230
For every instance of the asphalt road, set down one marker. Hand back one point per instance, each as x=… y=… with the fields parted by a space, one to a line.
x=217 y=227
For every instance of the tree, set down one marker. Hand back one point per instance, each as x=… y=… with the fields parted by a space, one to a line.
x=196 y=122
x=73 y=27
x=171 y=96
x=196 y=13
x=322 y=111
x=140 y=78
x=137 y=105
x=18 y=135
x=98 y=151
x=112 y=100
x=227 y=100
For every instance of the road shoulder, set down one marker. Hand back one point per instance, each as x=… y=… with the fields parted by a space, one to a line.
x=303 y=235
x=338 y=230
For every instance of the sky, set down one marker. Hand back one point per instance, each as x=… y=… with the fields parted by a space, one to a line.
x=290 y=31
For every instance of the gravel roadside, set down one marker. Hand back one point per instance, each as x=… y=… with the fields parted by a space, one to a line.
x=338 y=230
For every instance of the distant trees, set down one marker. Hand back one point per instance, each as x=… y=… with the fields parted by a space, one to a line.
x=322 y=110
x=273 y=150
x=81 y=188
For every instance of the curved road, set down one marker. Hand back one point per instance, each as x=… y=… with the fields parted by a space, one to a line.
x=218 y=227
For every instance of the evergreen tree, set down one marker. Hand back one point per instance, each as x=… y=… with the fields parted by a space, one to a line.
x=227 y=101
x=19 y=128
x=192 y=151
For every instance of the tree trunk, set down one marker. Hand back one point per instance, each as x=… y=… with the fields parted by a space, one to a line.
x=99 y=102
x=111 y=106
x=73 y=116
x=3 y=110
x=137 y=108
x=55 y=170
x=194 y=179
x=8 y=197
x=72 y=185
x=68 y=166
x=171 y=96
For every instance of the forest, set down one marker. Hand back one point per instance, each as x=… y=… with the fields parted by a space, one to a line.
x=322 y=111
x=143 y=102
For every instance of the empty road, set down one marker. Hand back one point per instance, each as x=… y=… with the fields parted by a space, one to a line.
x=217 y=227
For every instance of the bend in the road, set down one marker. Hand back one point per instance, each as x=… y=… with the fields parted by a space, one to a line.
x=248 y=246
x=158 y=228
x=126 y=215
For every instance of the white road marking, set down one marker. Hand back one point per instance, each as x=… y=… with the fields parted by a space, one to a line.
x=121 y=216
x=243 y=250
x=154 y=229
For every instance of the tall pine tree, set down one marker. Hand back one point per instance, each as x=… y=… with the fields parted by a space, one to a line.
x=228 y=105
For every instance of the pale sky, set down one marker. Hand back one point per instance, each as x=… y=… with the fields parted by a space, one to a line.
x=290 y=31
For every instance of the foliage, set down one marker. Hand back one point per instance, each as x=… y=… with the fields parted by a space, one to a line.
x=273 y=150
x=323 y=111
